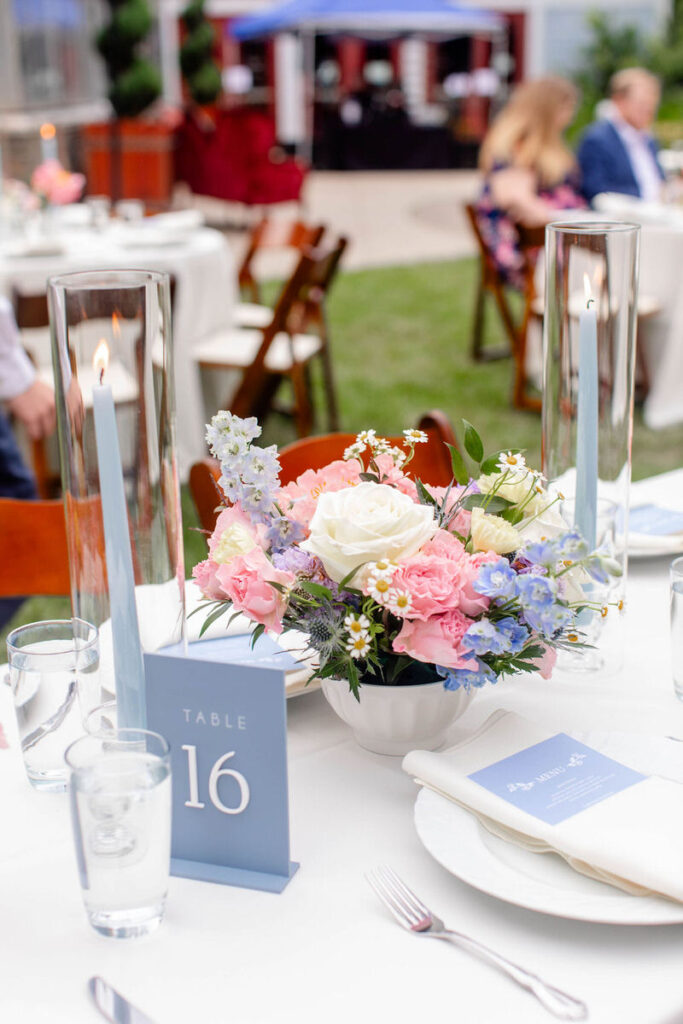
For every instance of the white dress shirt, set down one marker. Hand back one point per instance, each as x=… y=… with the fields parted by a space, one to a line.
x=16 y=370
x=643 y=161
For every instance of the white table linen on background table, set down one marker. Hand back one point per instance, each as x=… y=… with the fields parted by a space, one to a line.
x=206 y=293
x=325 y=949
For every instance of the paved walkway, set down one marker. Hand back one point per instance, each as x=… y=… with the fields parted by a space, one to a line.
x=390 y=217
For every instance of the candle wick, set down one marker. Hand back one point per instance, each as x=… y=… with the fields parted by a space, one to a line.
x=101 y=375
x=588 y=303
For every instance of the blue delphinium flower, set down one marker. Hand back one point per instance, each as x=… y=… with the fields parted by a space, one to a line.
x=542 y=552
x=536 y=592
x=496 y=579
x=515 y=633
x=283 y=533
x=548 y=620
x=229 y=436
x=572 y=546
x=484 y=637
x=250 y=475
x=466 y=678
x=596 y=570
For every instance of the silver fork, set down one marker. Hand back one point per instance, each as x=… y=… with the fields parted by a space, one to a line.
x=411 y=913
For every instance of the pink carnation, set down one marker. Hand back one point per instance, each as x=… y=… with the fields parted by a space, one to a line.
x=247 y=580
x=205 y=575
x=438 y=640
x=440 y=578
x=298 y=499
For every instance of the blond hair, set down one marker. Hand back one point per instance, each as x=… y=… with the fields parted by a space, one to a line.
x=526 y=133
x=623 y=81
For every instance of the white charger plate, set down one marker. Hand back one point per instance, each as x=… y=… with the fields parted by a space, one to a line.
x=537 y=881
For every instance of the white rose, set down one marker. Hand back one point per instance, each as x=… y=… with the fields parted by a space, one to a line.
x=365 y=524
x=491 y=533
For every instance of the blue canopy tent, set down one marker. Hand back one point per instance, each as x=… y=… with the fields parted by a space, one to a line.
x=368 y=19
x=373 y=18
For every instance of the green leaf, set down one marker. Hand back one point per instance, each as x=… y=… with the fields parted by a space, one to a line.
x=424 y=495
x=492 y=504
x=371 y=478
x=473 y=443
x=349 y=576
x=210 y=619
x=257 y=632
x=277 y=586
x=459 y=468
x=317 y=589
x=200 y=608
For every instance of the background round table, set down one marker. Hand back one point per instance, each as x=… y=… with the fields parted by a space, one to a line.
x=205 y=294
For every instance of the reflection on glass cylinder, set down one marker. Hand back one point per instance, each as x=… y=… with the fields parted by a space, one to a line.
x=588 y=383
x=112 y=355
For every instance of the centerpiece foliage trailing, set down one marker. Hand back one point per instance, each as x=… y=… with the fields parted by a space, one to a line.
x=393 y=580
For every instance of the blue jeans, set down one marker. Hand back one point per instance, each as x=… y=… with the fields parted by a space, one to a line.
x=16 y=481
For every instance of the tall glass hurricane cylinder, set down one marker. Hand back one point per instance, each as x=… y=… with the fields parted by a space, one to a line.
x=112 y=356
x=588 y=376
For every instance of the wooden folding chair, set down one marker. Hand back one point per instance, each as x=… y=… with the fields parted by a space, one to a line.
x=432 y=462
x=282 y=349
x=35 y=558
x=268 y=235
x=492 y=283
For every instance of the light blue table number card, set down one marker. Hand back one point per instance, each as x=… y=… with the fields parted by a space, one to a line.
x=226 y=725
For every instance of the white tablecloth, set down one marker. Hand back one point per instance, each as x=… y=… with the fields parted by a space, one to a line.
x=661 y=259
x=204 y=268
x=325 y=950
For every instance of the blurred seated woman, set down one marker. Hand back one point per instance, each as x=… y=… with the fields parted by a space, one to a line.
x=529 y=171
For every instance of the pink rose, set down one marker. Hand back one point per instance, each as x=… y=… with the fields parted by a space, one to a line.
x=247 y=580
x=438 y=640
x=234 y=522
x=298 y=499
x=440 y=578
x=205 y=575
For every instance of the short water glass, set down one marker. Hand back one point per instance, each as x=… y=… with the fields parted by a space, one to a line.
x=55 y=681
x=676 y=580
x=100 y=211
x=120 y=791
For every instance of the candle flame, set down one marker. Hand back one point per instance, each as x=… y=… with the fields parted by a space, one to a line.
x=587 y=290
x=47 y=131
x=100 y=359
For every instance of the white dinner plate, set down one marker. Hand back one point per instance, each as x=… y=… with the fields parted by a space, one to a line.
x=537 y=881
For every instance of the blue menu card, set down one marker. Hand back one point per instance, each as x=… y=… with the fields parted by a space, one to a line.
x=226 y=726
x=556 y=779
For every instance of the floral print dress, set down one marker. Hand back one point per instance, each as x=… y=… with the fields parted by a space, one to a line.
x=500 y=233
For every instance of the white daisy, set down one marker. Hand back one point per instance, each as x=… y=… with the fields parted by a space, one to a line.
x=354 y=451
x=384 y=569
x=380 y=446
x=358 y=646
x=366 y=437
x=398 y=456
x=415 y=436
x=508 y=460
x=399 y=602
x=357 y=625
x=378 y=588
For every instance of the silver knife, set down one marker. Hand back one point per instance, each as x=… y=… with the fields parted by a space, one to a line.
x=114 y=1006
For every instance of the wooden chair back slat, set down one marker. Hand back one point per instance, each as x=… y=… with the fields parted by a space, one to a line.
x=275 y=234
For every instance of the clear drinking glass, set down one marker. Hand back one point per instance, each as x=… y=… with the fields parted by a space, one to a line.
x=120 y=790
x=100 y=211
x=55 y=680
x=676 y=578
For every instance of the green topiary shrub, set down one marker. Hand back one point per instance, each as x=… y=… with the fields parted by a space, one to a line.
x=196 y=55
x=134 y=82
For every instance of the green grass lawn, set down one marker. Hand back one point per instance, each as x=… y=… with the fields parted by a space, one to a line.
x=400 y=338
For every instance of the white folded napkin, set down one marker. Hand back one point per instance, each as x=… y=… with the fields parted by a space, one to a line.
x=631 y=839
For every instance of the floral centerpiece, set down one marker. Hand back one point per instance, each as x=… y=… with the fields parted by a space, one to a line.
x=53 y=185
x=395 y=581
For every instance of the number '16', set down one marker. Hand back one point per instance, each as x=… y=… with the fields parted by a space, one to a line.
x=215 y=774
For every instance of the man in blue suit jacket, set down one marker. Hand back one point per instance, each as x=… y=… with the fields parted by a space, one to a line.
x=617 y=154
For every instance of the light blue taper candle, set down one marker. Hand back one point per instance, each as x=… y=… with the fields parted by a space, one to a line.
x=129 y=671
x=586 y=511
